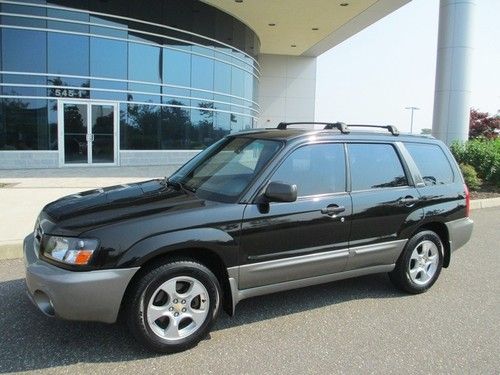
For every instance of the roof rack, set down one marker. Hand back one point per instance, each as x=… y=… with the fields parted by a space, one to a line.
x=391 y=128
x=344 y=128
x=328 y=125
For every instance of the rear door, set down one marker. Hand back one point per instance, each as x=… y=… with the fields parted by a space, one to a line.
x=386 y=205
x=309 y=237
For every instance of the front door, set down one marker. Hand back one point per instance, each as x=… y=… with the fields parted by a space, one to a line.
x=283 y=242
x=87 y=133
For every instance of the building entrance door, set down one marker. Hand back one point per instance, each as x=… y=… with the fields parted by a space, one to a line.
x=87 y=133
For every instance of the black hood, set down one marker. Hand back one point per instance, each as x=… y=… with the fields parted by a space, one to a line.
x=92 y=208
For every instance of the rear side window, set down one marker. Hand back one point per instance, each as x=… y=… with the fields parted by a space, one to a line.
x=315 y=169
x=375 y=166
x=432 y=163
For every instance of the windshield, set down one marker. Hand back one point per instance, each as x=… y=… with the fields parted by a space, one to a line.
x=224 y=170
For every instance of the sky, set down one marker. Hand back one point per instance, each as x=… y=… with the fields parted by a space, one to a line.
x=371 y=77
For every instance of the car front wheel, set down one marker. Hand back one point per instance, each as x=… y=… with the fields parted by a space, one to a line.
x=420 y=263
x=173 y=306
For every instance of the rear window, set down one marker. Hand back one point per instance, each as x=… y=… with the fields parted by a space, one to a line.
x=375 y=166
x=432 y=163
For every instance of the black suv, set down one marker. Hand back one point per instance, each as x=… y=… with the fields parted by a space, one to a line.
x=257 y=212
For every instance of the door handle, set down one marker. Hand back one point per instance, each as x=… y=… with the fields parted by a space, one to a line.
x=408 y=201
x=332 y=210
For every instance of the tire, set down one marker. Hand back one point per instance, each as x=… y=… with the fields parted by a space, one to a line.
x=420 y=263
x=173 y=306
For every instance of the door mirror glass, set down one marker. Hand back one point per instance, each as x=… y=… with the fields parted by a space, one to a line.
x=280 y=192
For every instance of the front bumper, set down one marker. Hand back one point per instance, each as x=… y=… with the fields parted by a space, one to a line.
x=460 y=232
x=84 y=295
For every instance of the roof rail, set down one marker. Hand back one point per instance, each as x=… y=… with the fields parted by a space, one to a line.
x=391 y=128
x=328 y=125
x=342 y=127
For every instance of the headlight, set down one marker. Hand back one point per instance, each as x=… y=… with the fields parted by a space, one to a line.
x=77 y=251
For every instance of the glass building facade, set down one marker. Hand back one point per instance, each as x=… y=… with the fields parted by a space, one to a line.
x=89 y=78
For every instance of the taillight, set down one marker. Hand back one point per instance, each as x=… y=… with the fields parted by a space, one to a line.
x=467 y=200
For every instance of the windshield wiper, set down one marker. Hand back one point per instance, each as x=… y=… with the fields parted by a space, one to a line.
x=178 y=185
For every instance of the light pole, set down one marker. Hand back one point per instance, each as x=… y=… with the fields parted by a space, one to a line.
x=413 y=109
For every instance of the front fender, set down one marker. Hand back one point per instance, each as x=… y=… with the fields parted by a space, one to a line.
x=216 y=240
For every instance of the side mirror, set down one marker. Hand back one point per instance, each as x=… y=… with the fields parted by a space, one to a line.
x=280 y=192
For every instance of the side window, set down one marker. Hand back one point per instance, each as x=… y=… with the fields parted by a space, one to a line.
x=315 y=169
x=375 y=166
x=432 y=163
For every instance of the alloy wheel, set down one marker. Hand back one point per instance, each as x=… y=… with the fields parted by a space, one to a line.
x=178 y=308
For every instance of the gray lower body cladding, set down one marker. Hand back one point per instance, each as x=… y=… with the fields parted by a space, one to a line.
x=89 y=295
x=295 y=272
x=460 y=232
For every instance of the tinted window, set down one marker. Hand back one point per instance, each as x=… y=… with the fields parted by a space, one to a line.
x=68 y=54
x=177 y=66
x=375 y=166
x=24 y=125
x=24 y=51
x=202 y=73
x=108 y=58
x=144 y=63
x=315 y=169
x=432 y=163
x=159 y=117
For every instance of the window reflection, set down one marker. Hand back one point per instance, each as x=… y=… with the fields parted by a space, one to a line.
x=68 y=54
x=113 y=31
x=315 y=169
x=184 y=118
x=67 y=15
x=222 y=77
x=176 y=67
x=22 y=21
x=108 y=58
x=375 y=166
x=144 y=63
x=431 y=162
x=24 y=51
x=202 y=73
x=23 y=125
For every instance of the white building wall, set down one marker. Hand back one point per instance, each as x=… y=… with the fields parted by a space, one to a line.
x=287 y=89
x=129 y=158
x=28 y=159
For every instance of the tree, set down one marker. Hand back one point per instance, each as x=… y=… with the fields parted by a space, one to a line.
x=482 y=125
x=426 y=131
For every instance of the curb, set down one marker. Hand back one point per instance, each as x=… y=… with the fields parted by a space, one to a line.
x=11 y=250
x=14 y=250
x=477 y=204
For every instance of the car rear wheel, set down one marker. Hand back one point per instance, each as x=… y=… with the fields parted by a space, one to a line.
x=173 y=306
x=420 y=263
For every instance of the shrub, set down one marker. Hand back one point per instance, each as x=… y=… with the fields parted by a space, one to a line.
x=470 y=176
x=483 y=155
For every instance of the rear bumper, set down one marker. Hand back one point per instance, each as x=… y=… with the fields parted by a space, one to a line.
x=460 y=232
x=86 y=295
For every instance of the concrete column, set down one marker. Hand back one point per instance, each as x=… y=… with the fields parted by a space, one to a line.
x=453 y=68
x=287 y=90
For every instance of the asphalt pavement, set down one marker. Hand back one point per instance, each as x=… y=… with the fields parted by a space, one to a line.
x=360 y=325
